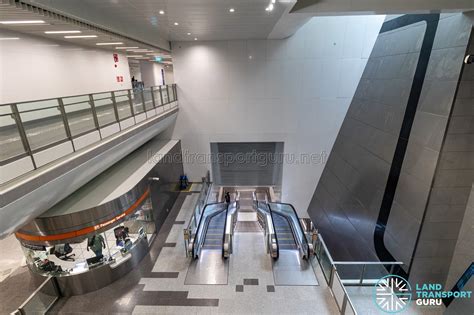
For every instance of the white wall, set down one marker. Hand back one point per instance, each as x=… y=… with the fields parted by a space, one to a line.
x=135 y=70
x=295 y=90
x=169 y=75
x=35 y=68
x=151 y=73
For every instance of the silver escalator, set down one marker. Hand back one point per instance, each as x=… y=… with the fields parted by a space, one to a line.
x=210 y=243
x=287 y=243
x=283 y=229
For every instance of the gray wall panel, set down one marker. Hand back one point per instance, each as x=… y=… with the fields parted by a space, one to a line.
x=430 y=194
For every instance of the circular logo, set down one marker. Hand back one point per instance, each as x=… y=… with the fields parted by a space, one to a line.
x=392 y=294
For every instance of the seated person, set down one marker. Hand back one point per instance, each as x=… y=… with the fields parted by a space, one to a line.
x=62 y=251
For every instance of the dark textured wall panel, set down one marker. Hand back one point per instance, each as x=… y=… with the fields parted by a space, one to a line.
x=371 y=200
x=437 y=257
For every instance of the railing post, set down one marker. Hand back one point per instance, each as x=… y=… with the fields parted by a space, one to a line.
x=21 y=130
x=168 y=92
x=152 y=97
x=175 y=92
x=114 y=103
x=362 y=274
x=131 y=103
x=331 y=276
x=161 y=97
x=143 y=100
x=344 y=305
x=94 y=113
x=66 y=122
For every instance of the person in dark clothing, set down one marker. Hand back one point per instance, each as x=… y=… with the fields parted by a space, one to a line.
x=227 y=197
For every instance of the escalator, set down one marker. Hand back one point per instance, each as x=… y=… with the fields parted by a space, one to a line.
x=286 y=242
x=283 y=230
x=210 y=229
x=210 y=243
x=284 y=233
x=214 y=238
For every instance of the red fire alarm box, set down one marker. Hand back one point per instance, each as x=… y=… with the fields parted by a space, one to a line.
x=116 y=58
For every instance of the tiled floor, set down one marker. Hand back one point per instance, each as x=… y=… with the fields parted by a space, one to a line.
x=250 y=287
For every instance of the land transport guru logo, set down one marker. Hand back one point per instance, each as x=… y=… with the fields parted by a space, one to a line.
x=392 y=294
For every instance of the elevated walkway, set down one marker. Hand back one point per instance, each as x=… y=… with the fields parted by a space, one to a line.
x=41 y=166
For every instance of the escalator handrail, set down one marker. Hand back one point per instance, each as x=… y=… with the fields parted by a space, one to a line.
x=305 y=241
x=225 y=226
x=269 y=210
x=198 y=242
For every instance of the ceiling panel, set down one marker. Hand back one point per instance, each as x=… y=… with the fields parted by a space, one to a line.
x=53 y=22
x=204 y=19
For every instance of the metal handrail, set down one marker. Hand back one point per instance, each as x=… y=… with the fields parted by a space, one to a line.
x=231 y=220
x=296 y=228
x=66 y=126
x=334 y=274
x=198 y=239
x=271 y=240
x=194 y=220
x=22 y=307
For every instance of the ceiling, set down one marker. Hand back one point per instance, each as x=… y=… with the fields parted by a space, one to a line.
x=203 y=19
x=339 y=7
x=53 y=22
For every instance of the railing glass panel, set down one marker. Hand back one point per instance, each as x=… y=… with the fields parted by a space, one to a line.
x=42 y=126
x=104 y=107
x=325 y=262
x=79 y=114
x=364 y=273
x=123 y=104
x=157 y=96
x=148 y=97
x=338 y=290
x=137 y=101
x=10 y=139
x=164 y=94
x=42 y=299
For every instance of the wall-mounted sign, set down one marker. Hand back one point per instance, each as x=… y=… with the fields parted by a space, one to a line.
x=119 y=78
x=158 y=59
x=116 y=58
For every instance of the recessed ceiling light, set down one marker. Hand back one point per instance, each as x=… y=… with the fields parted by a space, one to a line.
x=81 y=36
x=126 y=47
x=270 y=7
x=104 y=44
x=23 y=22
x=231 y=10
x=195 y=38
x=176 y=23
x=189 y=34
x=9 y=38
x=161 y=12
x=62 y=32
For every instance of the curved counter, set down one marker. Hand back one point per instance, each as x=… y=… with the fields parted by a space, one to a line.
x=101 y=231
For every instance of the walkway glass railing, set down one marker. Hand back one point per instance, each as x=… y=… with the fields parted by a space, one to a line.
x=35 y=133
x=339 y=274
x=41 y=301
x=289 y=212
